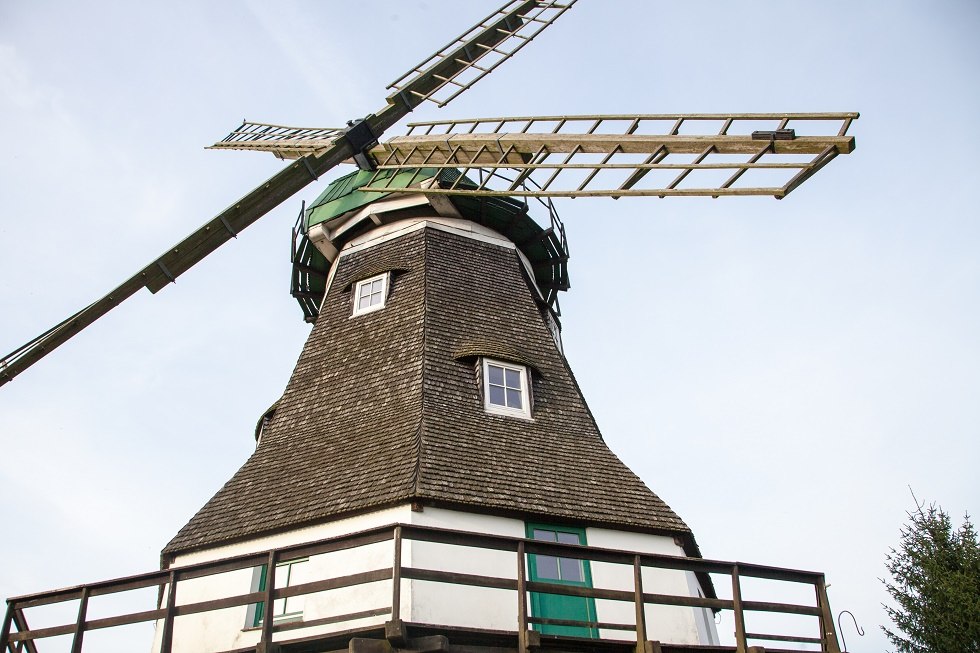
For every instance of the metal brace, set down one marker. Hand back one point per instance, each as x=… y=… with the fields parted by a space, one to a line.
x=166 y=272
x=309 y=168
x=361 y=139
x=224 y=221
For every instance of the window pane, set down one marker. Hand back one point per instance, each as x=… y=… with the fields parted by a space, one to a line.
x=538 y=534
x=546 y=567
x=376 y=286
x=294 y=604
x=364 y=301
x=571 y=569
x=496 y=374
x=513 y=379
x=568 y=538
x=497 y=395
x=282 y=576
x=514 y=398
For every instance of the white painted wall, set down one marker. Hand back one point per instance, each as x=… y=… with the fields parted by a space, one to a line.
x=227 y=629
x=427 y=602
x=664 y=623
x=457 y=604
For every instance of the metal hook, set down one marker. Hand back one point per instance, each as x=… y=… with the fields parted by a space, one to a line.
x=840 y=629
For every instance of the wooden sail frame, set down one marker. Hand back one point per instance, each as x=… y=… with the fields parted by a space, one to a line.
x=578 y=156
x=472 y=56
x=284 y=142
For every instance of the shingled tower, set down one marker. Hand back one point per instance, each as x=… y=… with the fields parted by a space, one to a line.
x=433 y=390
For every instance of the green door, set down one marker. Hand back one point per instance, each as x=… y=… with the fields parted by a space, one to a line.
x=561 y=571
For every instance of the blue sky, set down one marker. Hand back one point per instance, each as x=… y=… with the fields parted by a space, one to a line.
x=779 y=372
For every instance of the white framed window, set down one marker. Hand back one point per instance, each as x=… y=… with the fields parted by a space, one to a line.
x=505 y=389
x=370 y=294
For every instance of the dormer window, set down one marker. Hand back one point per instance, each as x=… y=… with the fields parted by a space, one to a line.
x=505 y=388
x=370 y=294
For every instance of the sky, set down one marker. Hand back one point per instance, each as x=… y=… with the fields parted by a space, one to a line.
x=785 y=374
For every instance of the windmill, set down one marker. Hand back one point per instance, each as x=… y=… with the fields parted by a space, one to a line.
x=469 y=165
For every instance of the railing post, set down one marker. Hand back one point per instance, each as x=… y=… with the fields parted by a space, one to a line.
x=828 y=634
x=268 y=608
x=396 y=577
x=741 y=644
x=76 y=642
x=167 y=640
x=521 y=601
x=5 y=629
x=641 y=617
x=394 y=628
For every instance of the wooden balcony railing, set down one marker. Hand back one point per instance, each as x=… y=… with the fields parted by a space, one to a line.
x=17 y=636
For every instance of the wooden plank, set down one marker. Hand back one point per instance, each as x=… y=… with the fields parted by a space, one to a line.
x=47 y=598
x=126 y=619
x=740 y=643
x=654 y=117
x=353 y=541
x=323 y=621
x=283 y=592
x=268 y=605
x=688 y=601
x=828 y=634
x=778 y=573
x=784 y=638
x=20 y=621
x=640 y=617
x=454 y=578
x=777 y=192
x=573 y=590
x=822 y=159
x=396 y=576
x=41 y=633
x=79 y=635
x=8 y=619
x=219 y=604
x=312 y=587
x=528 y=144
x=203 y=570
x=522 y=618
x=788 y=608
x=459 y=538
x=167 y=638
x=585 y=624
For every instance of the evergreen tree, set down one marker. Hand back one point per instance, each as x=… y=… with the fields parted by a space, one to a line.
x=935 y=584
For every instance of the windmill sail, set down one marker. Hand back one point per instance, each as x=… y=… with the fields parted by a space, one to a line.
x=477 y=52
x=623 y=155
x=596 y=155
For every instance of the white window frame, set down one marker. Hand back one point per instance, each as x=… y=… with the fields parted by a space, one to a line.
x=525 y=389
x=383 y=277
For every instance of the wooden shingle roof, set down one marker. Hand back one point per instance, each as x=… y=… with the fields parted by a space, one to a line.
x=382 y=409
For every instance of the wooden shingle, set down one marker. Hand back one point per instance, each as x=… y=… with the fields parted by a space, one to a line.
x=381 y=410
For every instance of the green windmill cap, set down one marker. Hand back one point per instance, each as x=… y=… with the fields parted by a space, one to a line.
x=344 y=194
